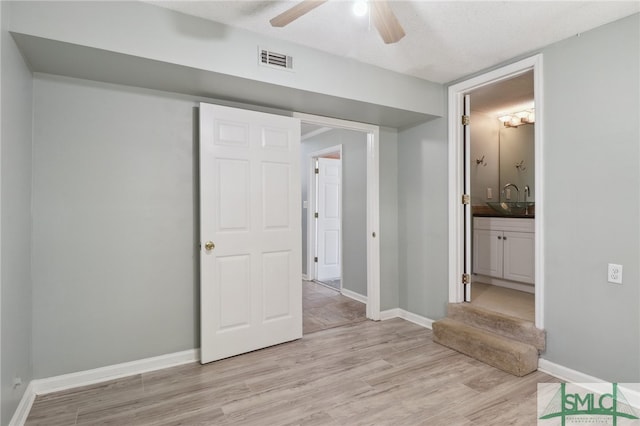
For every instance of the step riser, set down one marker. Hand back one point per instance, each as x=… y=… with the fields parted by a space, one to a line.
x=511 y=356
x=510 y=327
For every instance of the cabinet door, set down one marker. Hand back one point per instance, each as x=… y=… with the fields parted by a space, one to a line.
x=487 y=252
x=519 y=255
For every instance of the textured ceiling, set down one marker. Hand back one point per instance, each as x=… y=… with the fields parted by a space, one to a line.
x=445 y=40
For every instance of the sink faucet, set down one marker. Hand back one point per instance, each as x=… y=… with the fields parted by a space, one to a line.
x=527 y=193
x=504 y=190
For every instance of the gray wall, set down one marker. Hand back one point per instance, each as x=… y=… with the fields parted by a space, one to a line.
x=354 y=202
x=114 y=258
x=15 y=214
x=591 y=134
x=389 y=238
x=591 y=138
x=196 y=43
x=422 y=219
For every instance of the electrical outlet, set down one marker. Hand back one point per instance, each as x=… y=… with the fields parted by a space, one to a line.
x=17 y=382
x=614 y=273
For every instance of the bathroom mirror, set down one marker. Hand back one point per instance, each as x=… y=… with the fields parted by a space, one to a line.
x=516 y=158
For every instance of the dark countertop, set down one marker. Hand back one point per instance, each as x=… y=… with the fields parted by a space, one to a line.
x=486 y=211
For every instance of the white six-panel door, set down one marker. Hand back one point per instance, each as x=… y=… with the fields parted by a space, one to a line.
x=329 y=218
x=250 y=230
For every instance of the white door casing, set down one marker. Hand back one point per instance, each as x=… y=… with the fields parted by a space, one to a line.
x=250 y=292
x=456 y=94
x=467 y=190
x=329 y=221
x=373 y=204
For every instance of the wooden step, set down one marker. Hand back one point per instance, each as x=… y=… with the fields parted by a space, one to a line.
x=509 y=355
x=504 y=325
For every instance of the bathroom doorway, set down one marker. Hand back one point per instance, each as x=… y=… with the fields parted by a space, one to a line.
x=495 y=182
x=502 y=196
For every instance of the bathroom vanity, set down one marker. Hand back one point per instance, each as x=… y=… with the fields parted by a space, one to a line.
x=504 y=248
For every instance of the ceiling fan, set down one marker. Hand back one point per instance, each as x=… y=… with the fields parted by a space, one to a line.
x=383 y=18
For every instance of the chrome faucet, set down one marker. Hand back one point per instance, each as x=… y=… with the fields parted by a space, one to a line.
x=527 y=192
x=504 y=190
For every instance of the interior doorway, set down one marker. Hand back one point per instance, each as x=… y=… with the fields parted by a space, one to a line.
x=325 y=205
x=479 y=250
x=365 y=255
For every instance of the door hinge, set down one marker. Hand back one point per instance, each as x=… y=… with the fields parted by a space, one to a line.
x=466 y=279
x=465 y=120
x=466 y=199
x=315 y=259
x=315 y=215
x=317 y=170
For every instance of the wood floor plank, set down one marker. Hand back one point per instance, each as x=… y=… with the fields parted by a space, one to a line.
x=363 y=373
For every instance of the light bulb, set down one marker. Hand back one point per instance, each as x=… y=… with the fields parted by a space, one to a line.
x=360 y=8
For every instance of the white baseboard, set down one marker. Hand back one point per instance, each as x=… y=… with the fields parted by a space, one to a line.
x=305 y=277
x=353 y=295
x=389 y=314
x=97 y=375
x=111 y=372
x=573 y=376
x=406 y=315
x=24 y=407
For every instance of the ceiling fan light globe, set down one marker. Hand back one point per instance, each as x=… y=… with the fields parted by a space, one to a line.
x=360 y=8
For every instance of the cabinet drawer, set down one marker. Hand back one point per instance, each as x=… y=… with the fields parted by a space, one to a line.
x=504 y=224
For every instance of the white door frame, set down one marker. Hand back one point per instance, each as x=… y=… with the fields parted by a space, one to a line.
x=456 y=211
x=312 y=196
x=373 y=201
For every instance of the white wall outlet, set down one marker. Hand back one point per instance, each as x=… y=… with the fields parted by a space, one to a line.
x=507 y=193
x=17 y=381
x=614 y=273
x=489 y=193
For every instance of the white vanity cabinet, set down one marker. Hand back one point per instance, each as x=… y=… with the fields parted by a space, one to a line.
x=504 y=248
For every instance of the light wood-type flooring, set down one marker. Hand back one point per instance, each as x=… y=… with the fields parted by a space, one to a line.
x=325 y=308
x=362 y=373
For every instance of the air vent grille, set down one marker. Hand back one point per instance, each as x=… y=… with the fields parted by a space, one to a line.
x=276 y=60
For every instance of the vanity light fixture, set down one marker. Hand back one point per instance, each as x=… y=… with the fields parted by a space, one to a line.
x=518 y=118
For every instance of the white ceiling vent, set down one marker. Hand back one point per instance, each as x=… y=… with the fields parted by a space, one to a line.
x=275 y=60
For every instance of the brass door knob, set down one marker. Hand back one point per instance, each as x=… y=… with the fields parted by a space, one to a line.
x=208 y=246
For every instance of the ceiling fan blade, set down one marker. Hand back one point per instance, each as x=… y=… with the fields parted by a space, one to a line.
x=386 y=22
x=295 y=12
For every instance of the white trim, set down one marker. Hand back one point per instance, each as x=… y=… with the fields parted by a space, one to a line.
x=315 y=132
x=456 y=236
x=305 y=277
x=569 y=375
x=24 y=407
x=353 y=295
x=408 y=316
x=111 y=372
x=373 y=202
x=390 y=314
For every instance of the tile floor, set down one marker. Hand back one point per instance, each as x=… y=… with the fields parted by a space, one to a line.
x=504 y=300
